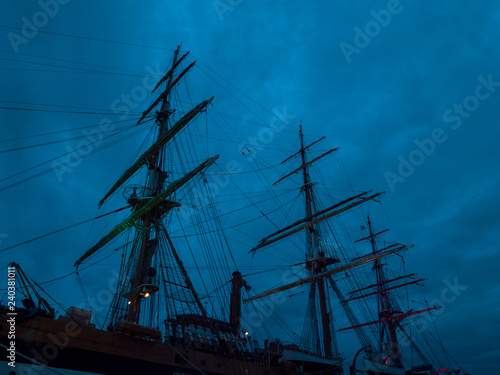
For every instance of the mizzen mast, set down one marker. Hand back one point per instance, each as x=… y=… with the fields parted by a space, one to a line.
x=386 y=310
x=389 y=315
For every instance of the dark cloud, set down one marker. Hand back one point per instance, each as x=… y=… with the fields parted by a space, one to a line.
x=392 y=94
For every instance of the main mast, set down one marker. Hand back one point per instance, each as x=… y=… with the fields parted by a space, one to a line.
x=312 y=254
x=316 y=263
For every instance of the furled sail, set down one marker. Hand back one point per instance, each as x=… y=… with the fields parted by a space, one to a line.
x=171 y=71
x=306 y=164
x=143 y=159
x=166 y=92
x=333 y=271
x=302 y=149
x=136 y=215
x=316 y=219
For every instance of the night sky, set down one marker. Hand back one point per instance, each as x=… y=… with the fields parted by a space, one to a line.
x=408 y=90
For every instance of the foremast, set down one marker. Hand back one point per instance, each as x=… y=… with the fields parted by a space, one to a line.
x=153 y=219
x=150 y=203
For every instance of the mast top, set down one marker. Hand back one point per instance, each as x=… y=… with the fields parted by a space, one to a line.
x=302 y=148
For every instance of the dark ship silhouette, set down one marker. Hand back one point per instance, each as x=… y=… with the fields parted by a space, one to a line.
x=187 y=339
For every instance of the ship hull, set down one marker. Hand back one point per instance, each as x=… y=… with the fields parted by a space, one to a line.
x=313 y=363
x=24 y=368
x=376 y=368
x=76 y=350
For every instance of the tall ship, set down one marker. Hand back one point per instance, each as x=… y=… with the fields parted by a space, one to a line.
x=158 y=320
x=356 y=277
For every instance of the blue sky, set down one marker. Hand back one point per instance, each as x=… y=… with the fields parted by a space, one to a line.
x=408 y=90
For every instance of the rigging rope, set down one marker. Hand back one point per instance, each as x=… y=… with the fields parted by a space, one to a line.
x=72 y=68
x=53 y=142
x=67 y=162
x=82 y=287
x=62 y=111
x=60 y=230
x=70 y=61
x=90 y=38
x=65 y=130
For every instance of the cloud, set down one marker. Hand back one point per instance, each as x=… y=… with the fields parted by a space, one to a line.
x=279 y=53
